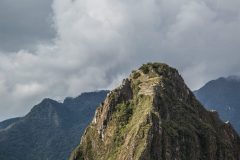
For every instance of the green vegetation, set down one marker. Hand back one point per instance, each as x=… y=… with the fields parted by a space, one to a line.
x=128 y=121
x=136 y=75
x=161 y=120
x=145 y=68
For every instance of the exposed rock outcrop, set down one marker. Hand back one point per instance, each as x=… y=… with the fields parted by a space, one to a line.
x=154 y=116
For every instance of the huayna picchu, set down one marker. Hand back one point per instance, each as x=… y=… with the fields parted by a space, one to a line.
x=153 y=115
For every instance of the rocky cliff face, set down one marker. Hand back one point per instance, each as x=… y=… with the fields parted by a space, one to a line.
x=154 y=116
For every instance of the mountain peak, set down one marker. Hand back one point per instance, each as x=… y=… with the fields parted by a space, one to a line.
x=223 y=95
x=155 y=70
x=152 y=78
x=48 y=101
x=154 y=115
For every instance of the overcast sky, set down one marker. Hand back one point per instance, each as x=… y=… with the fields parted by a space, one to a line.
x=25 y=23
x=64 y=47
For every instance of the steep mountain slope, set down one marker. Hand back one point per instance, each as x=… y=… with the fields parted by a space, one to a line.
x=50 y=130
x=8 y=123
x=223 y=95
x=154 y=116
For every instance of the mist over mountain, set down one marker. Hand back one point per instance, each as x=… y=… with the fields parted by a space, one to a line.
x=223 y=95
x=50 y=130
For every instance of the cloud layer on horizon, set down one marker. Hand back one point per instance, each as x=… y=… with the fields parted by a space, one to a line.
x=100 y=42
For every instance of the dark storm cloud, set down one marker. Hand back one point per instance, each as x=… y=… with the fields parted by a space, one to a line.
x=24 y=23
x=99 y=42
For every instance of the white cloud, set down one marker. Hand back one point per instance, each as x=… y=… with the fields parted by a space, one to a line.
x=28 y=89
x=99 y=42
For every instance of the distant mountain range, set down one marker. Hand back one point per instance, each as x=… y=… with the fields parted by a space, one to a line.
x=50 y=130
x=223 y=95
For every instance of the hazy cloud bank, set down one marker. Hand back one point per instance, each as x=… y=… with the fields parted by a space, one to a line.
x=100 y=42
